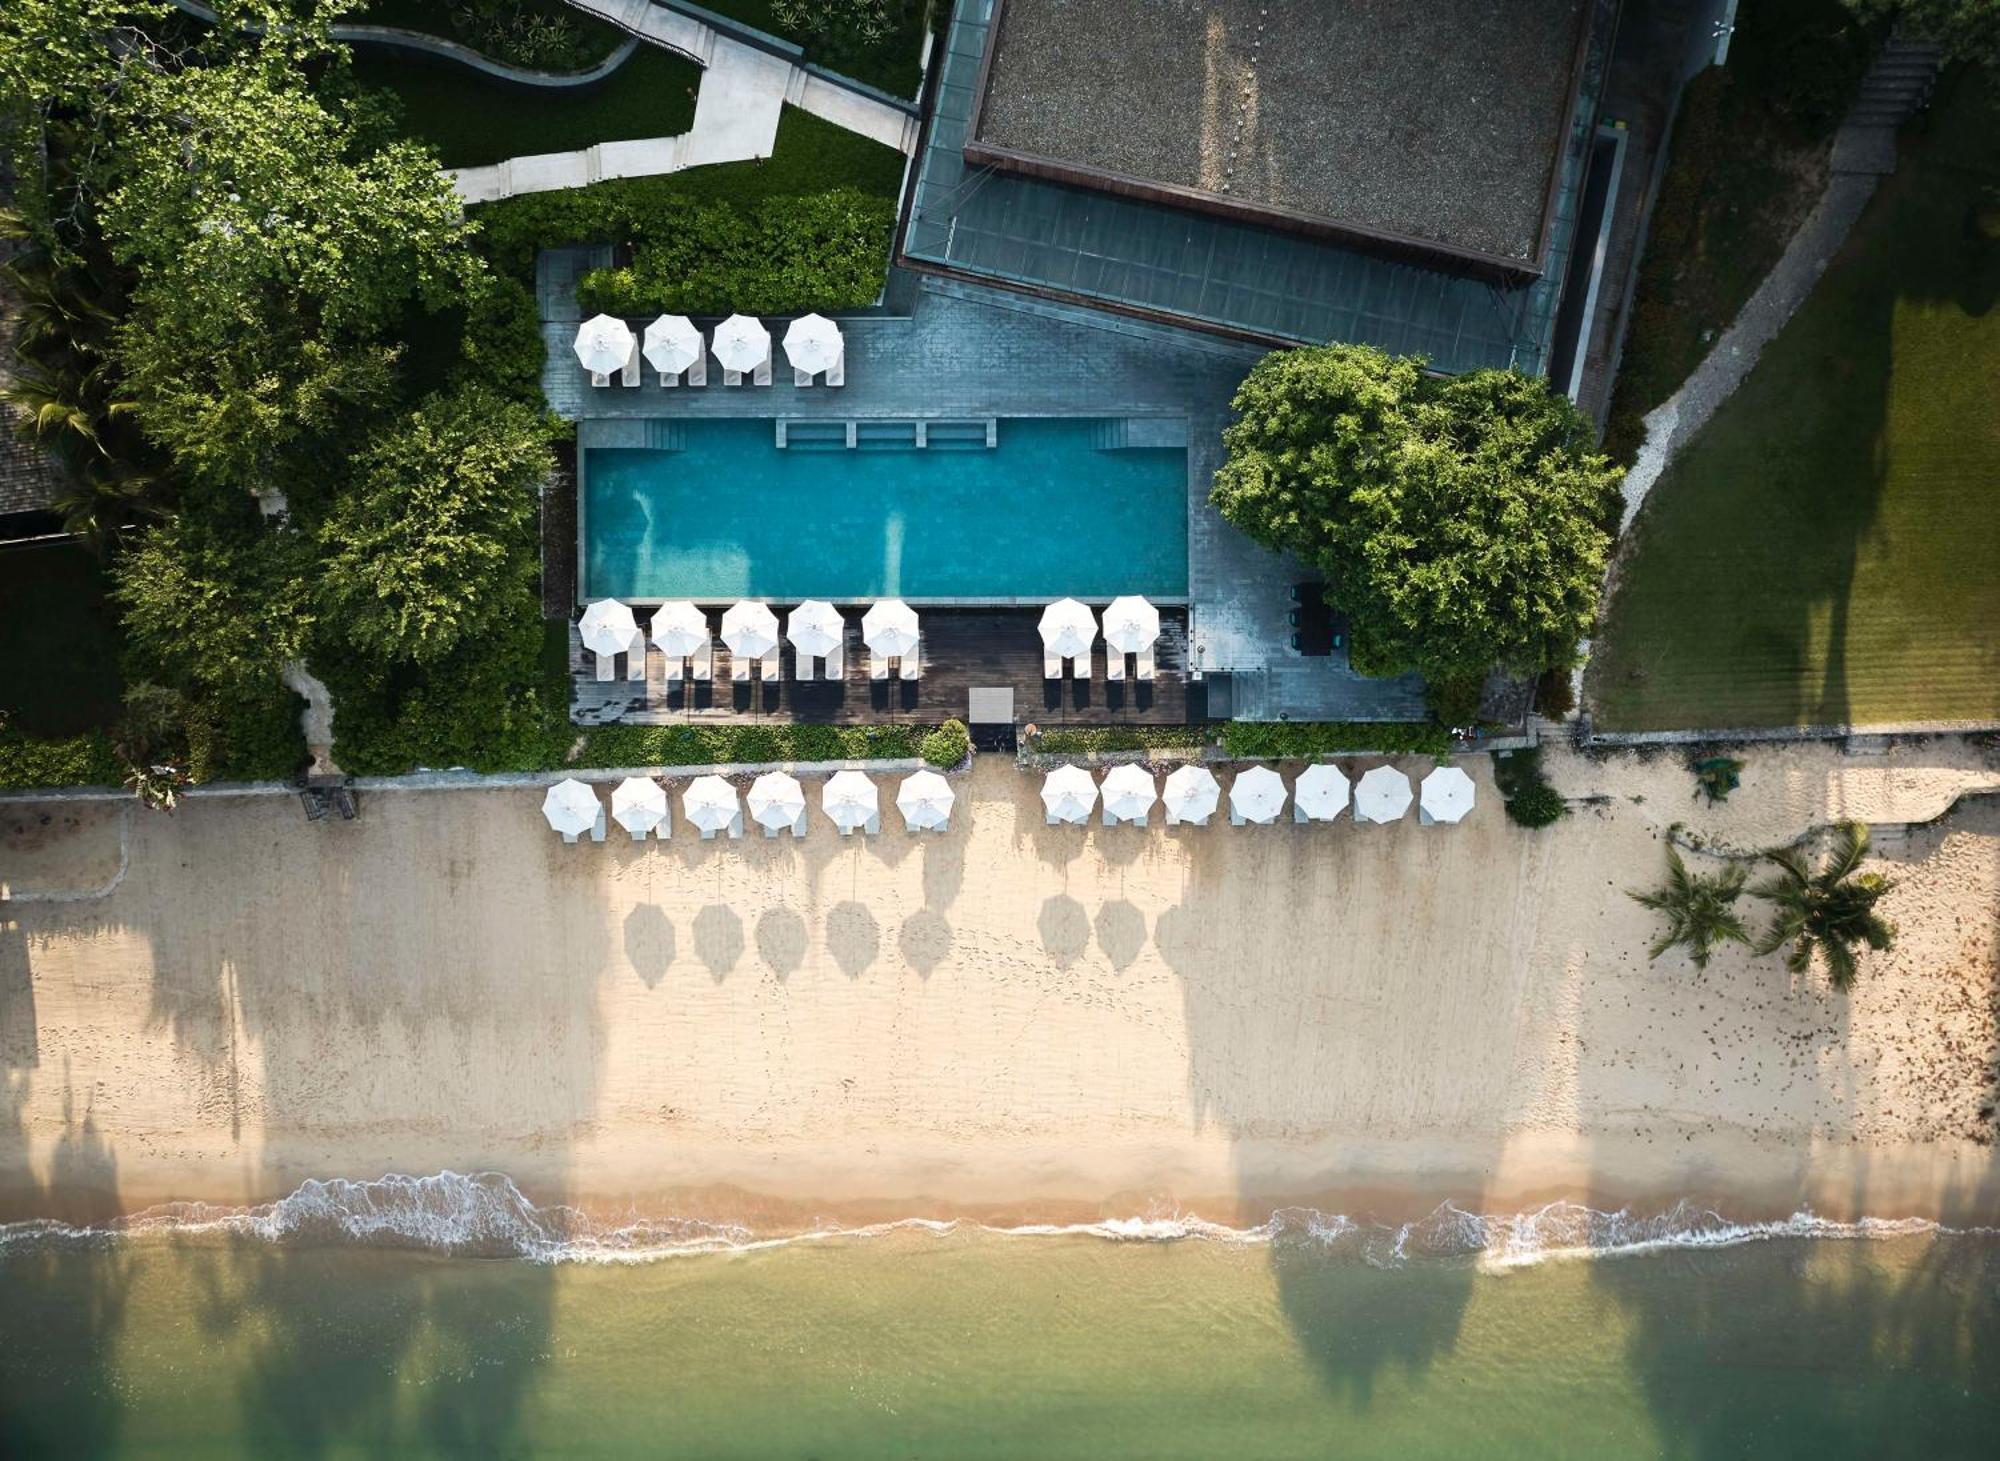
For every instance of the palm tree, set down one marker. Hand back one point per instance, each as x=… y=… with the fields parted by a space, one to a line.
x=1827 y=912
x=1700 y=910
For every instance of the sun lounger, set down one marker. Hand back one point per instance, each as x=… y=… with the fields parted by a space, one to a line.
x=1053 y=820
x=1114 y=664
x=834 y=666
x=607 y=667
x=598 y=378
x=704 y=662
x=698 y=372
x=837 y=375
x=597 y=827
x=878 y=666
x=675 y=668
x=913 y=663
x=739 y=667
x=763 y=375
x=874 y=825
x=635 y=371
x=1146 y=665
x=1236 y=818
x=635 y=657
x=731 y=377
x=1052 y=666
x=638 y=834
x=801 y=378
x=736 y=827
x=768 y=669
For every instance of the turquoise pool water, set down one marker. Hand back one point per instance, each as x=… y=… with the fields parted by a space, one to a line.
x=1047 y=511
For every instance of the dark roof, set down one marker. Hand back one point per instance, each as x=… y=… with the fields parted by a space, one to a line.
x=1439 y=124
x=27 y=481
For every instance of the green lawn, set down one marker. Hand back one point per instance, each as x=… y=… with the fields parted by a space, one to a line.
x=1825 y=551
x=59 y=641
x=473 y=119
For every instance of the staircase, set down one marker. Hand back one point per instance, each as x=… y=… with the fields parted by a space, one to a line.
x=1897 y=85
x=665 y=435
x=889 y=434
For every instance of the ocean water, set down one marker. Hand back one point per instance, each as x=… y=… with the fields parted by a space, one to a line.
x=451 y=1318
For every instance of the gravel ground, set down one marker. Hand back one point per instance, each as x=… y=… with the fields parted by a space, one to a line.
x=1439 y=121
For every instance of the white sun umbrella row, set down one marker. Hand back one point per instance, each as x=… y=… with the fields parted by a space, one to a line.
x=1069 y=631
x=741 y=345
x=1257 y=795
x=777 y=803
x=750 y=629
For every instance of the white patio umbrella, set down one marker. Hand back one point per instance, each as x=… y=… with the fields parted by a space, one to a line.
x=1068 y=629
x=571 y=807
x=1129 y=792
x=890 y=628
x=1321 y=792
x=750 y=629
x=709 y=803
x=1192 y=793
x=1257 y=795
x=925 y=800
x=813 y=344
x=607 y=627
x=671 y=344
x=680 y=629
x=603 y=344
x=639 y=804
x=1131 y=624
x=1446 y=795
x=1383 y=795
x=850 y=799
x=815 y=629
x=1068 y=794
x=776 y=799
x=742 y=343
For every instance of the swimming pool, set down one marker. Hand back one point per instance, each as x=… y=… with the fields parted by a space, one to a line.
x=718 y=510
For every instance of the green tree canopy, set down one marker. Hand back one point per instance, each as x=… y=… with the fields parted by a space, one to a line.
x=429 y=547
x=1459 y=522
x=1969 y=30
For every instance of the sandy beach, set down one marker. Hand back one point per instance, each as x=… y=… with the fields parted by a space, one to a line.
x=1011 y=1021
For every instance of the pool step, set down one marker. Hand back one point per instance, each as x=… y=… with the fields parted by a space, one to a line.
x=887 y=434
x=1150 y=433
x=665 y=436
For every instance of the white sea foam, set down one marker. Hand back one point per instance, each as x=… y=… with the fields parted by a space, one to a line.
x=485 y=1215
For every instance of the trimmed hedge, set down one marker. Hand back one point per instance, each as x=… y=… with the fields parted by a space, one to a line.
x=28 y=762
x=1531 y=800
x=948 y=746
x=1088 y=739
x=720 y=745
x=1293 y=740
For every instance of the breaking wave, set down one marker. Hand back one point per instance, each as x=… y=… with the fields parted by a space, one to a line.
x=485 y=1215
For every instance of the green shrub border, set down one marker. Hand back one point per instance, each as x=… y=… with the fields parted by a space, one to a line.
x=736 y=745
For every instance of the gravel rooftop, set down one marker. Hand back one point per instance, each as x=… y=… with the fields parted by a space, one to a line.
x=1439 y=121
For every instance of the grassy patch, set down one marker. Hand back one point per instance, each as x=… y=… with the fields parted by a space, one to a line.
x=59 y=642
x=1823 y=552
x=473 y=119
x=1747 y=163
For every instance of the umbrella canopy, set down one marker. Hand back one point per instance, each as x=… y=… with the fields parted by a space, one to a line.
x=742 y=343
x=1447 y=794
x=750 y=629
x=607 y=627
x=1131 y=624
x=672 y=344
x=1192 y=793
x=1257 y=795
x=709 y=803
x=813 y=344
x=1129 y=792
x=815 y=629
x=1068 y=629
x=1383 y=795
x=776 y=799
x=850 y=799
x=639 y=804
x=571 y=807
x=1321 y=792
x=603 y=344
x=925 y=800
x=890 y=628
x=1068 y=794
x=680 y=629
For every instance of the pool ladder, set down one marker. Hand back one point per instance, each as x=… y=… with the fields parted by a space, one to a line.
x=895 y=434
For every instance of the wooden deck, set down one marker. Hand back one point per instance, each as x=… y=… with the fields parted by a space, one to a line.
x=962 y=649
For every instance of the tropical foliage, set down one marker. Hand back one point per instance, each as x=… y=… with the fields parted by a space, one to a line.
x=1829 y=913
x=1531 y=800
x=1968 y=29
x=1700 y=909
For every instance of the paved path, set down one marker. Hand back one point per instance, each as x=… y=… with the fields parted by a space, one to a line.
x=743 y=92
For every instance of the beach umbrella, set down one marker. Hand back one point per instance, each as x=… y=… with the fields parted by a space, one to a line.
x=741 y=343
x=603 y=344
x=1383 y=795
x=1129 y=792
x=709 y=803
x=571 y=807
x=815 y=629
x=850 y=799
x=1068 y=629
x=671 y=344
x=1321 y=792
x=639 y=804
x=1192 y=792
x=1068 y=794
x=925 y=800
x=749 y=629
x=890 y=628
x=1257 y=795
x=607 y=627
x=813 y=344
x=1446 y=795
x=680 y=629
x=776 y=800
x=1131 y=625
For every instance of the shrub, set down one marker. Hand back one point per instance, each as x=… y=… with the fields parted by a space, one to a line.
x=1085 y=739
x=502 y=340
x=1294 y=740
x=948 y=746
x=1555 y=694
x=723 y=745
x=1454 y=700
x=32 y=761
x=245 y=732
x=1531 y=800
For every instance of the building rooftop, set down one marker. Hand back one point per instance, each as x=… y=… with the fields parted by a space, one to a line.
x=1439 y=126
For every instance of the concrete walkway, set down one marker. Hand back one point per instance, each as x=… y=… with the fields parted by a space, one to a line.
x=744 y=90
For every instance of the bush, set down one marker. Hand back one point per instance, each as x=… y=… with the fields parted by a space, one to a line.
x=1296 y=740
x=502 y=340
x=725 y=745
x=1454 y=700
x=948 y=746
x=245 y=732
x=28 y=761
x=1531 y=800
x=1087 y=739
x=1555 y=694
